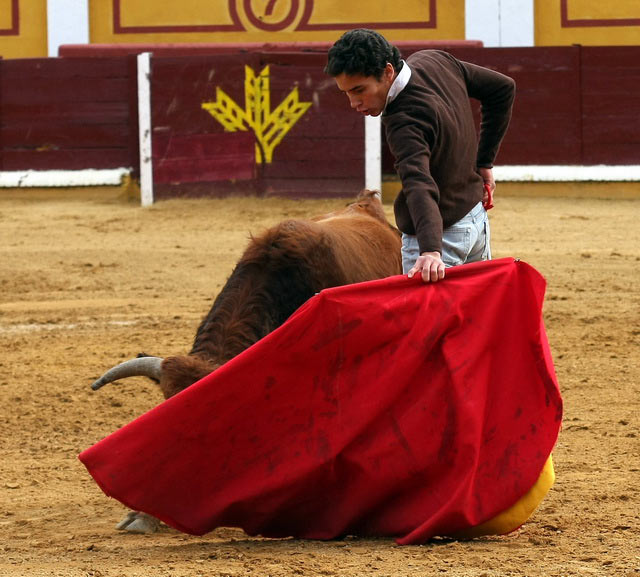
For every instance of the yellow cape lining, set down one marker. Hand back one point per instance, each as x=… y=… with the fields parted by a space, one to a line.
x=512 y=518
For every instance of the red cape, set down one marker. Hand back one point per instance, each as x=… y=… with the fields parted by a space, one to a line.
x=387 y=408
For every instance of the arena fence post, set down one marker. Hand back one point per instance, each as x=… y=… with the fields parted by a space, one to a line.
x=144 y=128
x=373 y=153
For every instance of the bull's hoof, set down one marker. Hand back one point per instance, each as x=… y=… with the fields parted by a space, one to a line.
x=137 y=522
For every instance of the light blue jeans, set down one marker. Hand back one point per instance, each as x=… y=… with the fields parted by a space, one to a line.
x=468 y=240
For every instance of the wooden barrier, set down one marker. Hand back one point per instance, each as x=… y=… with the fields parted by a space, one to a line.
x=574 y=104
x=62 y=114
x=271 y=122
x=196 y=151
x=610 y=105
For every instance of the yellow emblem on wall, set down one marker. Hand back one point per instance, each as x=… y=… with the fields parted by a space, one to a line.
x=268 y=126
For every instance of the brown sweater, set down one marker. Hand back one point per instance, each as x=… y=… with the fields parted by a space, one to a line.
x=431 y=133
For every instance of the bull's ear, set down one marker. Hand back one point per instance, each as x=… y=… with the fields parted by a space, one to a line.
x=367 y=194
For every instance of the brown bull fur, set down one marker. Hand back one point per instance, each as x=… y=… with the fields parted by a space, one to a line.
x=278 y=272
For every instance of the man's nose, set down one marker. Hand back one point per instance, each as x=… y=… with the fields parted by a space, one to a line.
x=354 y=101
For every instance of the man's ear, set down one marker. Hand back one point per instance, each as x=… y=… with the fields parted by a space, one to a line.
x=389 y=72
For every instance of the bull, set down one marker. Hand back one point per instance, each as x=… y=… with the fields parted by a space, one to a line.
x=278 y=272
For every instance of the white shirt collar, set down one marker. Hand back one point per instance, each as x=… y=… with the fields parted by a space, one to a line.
x=399 y=83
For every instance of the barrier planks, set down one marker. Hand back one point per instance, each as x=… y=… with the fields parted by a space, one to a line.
x=250 y=141
x=270 y=121
x=610 y=105
x=63 y=114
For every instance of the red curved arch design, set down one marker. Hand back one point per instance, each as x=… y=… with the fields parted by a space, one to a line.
x=273 y=26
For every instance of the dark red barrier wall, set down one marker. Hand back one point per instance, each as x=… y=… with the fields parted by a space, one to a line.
x=190 y=149
x=610 y=104
x=575 y=105
x=63 y=114
x=546 y=123
x=322 y=155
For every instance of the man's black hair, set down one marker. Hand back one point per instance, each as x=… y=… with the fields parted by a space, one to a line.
x=362 y=52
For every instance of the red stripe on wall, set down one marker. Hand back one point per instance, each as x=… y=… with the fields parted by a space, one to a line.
x=118 y=28
x=567 y=22
x=430 y=22
x=15 y=21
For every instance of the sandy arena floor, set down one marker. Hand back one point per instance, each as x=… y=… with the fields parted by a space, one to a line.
x=88 y=280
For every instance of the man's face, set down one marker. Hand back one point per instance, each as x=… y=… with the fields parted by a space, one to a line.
x=367 y=94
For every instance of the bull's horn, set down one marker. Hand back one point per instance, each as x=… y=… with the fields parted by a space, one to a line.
x=140 y=367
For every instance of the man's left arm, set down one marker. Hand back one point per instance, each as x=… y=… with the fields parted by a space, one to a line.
x=496 y=93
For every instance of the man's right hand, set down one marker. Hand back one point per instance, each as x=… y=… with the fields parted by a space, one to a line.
x=430 y=265
x=489 y=187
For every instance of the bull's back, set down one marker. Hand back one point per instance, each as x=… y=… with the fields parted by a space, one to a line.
x=364 y=247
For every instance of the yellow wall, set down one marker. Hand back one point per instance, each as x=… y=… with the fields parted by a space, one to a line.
x=23 y=28
x=557 y=22
x=587 y=22
x=145 y=21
